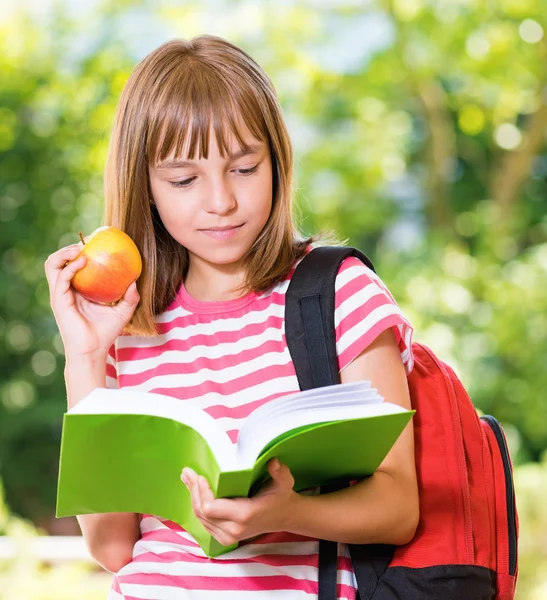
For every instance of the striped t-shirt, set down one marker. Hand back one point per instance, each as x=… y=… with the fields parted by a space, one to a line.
x=229 y=358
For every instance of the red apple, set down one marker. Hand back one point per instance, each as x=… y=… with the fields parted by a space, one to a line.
x=113 y=263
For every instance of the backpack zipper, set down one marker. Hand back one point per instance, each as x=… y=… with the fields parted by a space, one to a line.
x=462 y=466
x=509 y=491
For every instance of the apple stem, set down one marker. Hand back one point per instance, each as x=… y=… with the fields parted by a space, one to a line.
x=81 y=237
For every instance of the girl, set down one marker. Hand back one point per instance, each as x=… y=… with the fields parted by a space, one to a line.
x=199 y=174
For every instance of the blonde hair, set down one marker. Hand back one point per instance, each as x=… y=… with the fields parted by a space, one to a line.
x=172 y=98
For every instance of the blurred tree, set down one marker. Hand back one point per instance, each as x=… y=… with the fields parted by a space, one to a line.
x=419 y=136
x=54 y=114
x=425 y=145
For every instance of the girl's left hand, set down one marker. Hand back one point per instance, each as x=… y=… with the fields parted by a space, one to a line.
x=231 y=520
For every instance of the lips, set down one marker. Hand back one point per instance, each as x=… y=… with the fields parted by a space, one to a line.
x=225 y=228
x=222 y=233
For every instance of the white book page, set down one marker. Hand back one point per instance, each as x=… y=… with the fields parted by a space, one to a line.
x=340 y=399
x=285 y=413
x=250 y=447
x=106 y=401
x=311 y=398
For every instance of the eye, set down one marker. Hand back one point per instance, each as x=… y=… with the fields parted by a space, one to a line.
x=182 y=184
x=247 y=171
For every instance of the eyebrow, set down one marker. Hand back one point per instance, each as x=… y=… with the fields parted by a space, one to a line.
x=180 y=164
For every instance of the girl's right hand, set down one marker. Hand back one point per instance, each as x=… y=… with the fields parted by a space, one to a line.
x=86 y=328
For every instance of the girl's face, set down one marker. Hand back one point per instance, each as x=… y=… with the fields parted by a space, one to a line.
x=215 y=207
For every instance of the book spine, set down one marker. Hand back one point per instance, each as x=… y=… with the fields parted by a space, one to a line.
x=233 y=484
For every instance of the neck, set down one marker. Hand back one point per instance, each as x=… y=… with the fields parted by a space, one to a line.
x=208 y=282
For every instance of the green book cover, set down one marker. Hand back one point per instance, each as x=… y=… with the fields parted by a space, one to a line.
x=124 y=450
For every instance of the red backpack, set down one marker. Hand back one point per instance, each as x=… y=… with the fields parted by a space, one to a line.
x=465 y=547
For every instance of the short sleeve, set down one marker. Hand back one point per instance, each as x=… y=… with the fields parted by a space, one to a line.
x=364 y=308
x=111 y=369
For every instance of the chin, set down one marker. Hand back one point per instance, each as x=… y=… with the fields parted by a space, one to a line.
x=223 y=255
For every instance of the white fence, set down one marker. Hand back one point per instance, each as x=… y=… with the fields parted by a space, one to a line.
x=47 y=548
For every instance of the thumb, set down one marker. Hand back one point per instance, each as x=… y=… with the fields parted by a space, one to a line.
x=280 y=473
x=130 y=298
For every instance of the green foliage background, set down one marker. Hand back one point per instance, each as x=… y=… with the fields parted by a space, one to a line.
x=419 y=130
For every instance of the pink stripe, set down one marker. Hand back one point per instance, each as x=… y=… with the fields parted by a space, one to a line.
x=344 y=564
x=345 y=592
x=116 y=585
x=240 y=412
x=355 y=349
x=111 y=371
x=170 y=524
x=273 y=560
x=352 y=287
x=279 y=537
x=167 y=536
x=356 y=287
x=248 y=583
x=233 y=386
x=353 y=261
x=170 y=534
x=259 y=305
x=212 y=364
x=357 y=316
x=200 y=339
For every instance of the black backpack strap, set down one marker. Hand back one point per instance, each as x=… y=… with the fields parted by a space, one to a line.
x=311 y=339
x=309 y=315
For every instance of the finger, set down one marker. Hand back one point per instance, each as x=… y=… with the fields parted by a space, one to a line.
x=223 y=510
x=220 y=535
x=194 y=497
x=280 y=474
x=206 y=496
x=190 y=479
x=130 y=298
x=218 y=528
x=64 y=278
x=188 y=476
x=57 y=261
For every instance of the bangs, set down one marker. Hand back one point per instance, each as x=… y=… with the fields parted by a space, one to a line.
x=197 y=102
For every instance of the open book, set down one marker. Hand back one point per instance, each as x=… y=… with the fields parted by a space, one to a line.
x=124 y=450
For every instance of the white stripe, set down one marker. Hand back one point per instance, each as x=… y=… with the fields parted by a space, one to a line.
x=178 y=311
x=153 y=523
x=248 y=551
x=279 y=385
x=357 y=270
x=175 y=312
x=351 y=273
x=168 y=317
x=356 y=301
x=160 y=592
x=143 y=547
x=205 y=568
x=222 y=376
x=376 y=315
x=360 y=270
x=216 y=326
x=216 y=351
x=112 y=595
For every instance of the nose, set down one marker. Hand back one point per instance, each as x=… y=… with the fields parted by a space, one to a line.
x=219 y=198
